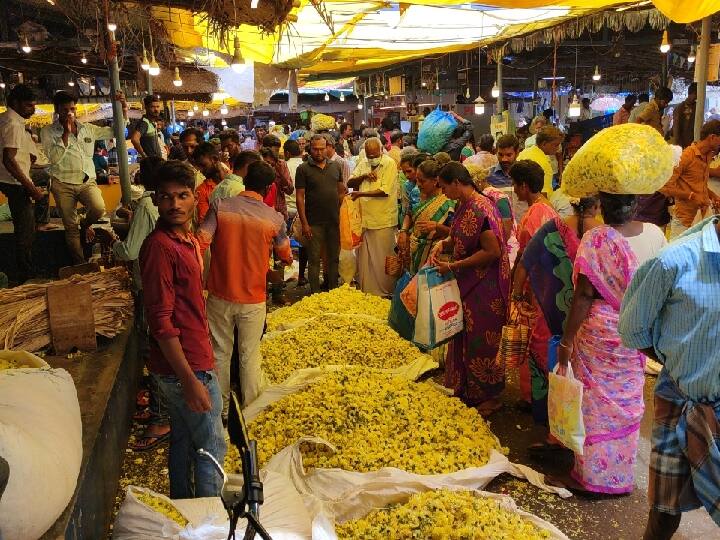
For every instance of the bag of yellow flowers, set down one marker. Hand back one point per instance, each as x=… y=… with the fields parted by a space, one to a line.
x=630 y=159
x=322 y=122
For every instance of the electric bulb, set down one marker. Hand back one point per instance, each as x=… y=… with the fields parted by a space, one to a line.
x=224 y=122
x=574 y=109
x=665 y=44
x=223 y=108
x=327 y=96
x=360 y=106
x=26 y=48
x=195 y=107
x=154 y=67
x=71 y=83
x=92 y=87
x=596 y=76
x=145 y=63
x=2 y=85
x=495 y=92
x=112 y=26
x=177 y=81
x=342 y=96
x=479 y=106
x=84 y=59
x=691 y=56
x=206 y=112
x=191 y=113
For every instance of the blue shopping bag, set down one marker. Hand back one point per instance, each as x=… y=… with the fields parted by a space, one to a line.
x=436 y=131
x=439 y=308
x=553 y=344
x=399 y=318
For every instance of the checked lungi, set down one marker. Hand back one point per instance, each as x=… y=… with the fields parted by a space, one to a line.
x=685 y=458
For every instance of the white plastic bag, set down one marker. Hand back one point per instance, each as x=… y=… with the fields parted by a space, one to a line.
x=439 y=309
x=347 y=266
x=565 y=396
x=41 y=439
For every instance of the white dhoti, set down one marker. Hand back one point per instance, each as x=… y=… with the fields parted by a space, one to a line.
x=376 y=245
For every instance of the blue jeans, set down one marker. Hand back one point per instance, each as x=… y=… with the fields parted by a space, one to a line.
x=192 y=474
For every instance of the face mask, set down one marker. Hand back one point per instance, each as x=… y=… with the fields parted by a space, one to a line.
x=374 y=162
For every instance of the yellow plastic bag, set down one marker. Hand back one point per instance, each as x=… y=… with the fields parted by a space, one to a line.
x=565 y=410
x=350 y=225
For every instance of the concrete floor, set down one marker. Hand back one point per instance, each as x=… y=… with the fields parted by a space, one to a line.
x=584 y=518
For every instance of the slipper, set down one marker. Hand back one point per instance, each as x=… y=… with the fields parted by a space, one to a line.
x=152 y=442
x=544 y=449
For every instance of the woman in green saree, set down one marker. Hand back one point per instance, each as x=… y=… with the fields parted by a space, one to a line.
x=427 y=222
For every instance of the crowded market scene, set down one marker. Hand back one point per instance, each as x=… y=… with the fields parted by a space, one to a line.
x=337 y=269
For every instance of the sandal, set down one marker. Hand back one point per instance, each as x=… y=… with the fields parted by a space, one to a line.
x=151 y=441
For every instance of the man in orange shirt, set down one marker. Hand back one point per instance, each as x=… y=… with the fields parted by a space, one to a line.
x=207 y=161
x=243 y=232
x=689 y=182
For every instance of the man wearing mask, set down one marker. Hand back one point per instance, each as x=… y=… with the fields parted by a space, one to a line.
x=69 y=146
x=207 y=160
x=16 y=149
x=144 y=134
x=319 y=191
x=376 y=179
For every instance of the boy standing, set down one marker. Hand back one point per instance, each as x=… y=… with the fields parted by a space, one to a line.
x=181 y=358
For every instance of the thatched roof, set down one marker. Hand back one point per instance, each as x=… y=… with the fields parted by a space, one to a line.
x=198 y=84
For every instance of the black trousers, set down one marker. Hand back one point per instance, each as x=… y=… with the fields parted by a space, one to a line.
x=23 y=218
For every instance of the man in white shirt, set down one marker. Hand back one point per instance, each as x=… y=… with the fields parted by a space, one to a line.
x=16 y=147
x=69 y=146
x=376 y=179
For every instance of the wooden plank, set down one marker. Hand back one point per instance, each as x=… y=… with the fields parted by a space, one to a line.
x=70 y=312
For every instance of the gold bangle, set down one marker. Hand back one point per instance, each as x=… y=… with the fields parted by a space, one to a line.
x=564 y=346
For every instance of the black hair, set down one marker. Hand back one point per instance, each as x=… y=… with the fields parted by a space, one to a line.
x=271 y=141
x=175 y=172
x=508 y=141
x=442 y=158
x=344 y=126
x=266 y=152
x=230 y=134
x=259 y=177
x=528 y=173
x=408 y=158
x=396 y=136
x=245 y=158
x=617 y=209
x=21 y=93
x=692 y=89
x=580 y=207
x=458 y=132
x=291 y=148
x=148 y=171
x=486 y=143
x=664 y=93
x=711 y=127
x=387 y=124
x=150 y=99
x=419 y=158
x=62 y=97
x=206 y=149
x=631 y=98
x=429 y=168
x=191 y=131
x=644 y=97
x=329 y=139
x=456 y=171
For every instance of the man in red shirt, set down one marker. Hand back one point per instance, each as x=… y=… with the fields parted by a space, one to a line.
x=243 y=231
x=181 y=357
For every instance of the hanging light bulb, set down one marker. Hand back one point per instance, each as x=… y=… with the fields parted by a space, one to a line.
x=154 y=67
x=224 y=122
x=195 y=107
x=437 y=85
x=92 y=87
x=26 y=48
x=2 y=85
x=574 y=108
x=238 y=61
x=359 y=105
x=191 y=113
x=665 y=44
x=479 y=106
x=223 y=108
x=206 y=112
x=495 y=92
x=342 y=96
x=254 y=4
x=112 y=26
x=71 y=83
x=424 y=84
x=467 y=93
x=327 y=96
x=177 y=81
x=691 y=56
x=596 y=76
x=84 y=59
x=145 y=63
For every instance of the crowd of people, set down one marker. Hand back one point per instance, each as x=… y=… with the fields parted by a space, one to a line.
x=217 y=218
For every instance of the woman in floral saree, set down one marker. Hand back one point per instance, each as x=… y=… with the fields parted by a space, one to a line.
x=612 y=375
x=428 y=221
x=481 y=267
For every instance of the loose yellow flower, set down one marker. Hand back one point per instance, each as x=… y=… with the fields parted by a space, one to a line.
x=376 y=420
x=336 y=340
x=162 y=507
x=443 y=515
x=344 y=300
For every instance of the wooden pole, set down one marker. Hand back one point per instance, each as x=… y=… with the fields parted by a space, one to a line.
x=702 y=64
x=500 y=107
x=118 y=118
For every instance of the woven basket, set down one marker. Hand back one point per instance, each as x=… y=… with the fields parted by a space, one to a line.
x=393 y=265
x=514 y=341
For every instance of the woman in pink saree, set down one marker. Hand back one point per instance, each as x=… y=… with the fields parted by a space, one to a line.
x=612 y=375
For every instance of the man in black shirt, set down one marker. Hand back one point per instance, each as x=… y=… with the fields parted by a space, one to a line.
x=320 y=189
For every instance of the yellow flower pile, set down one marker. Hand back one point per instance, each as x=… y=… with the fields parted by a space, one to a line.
x=163 y=507
x=443 y=515
x=376 y=420
x=10 y=364
x=630 y=159
x=336 y=340
x=344 y=300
